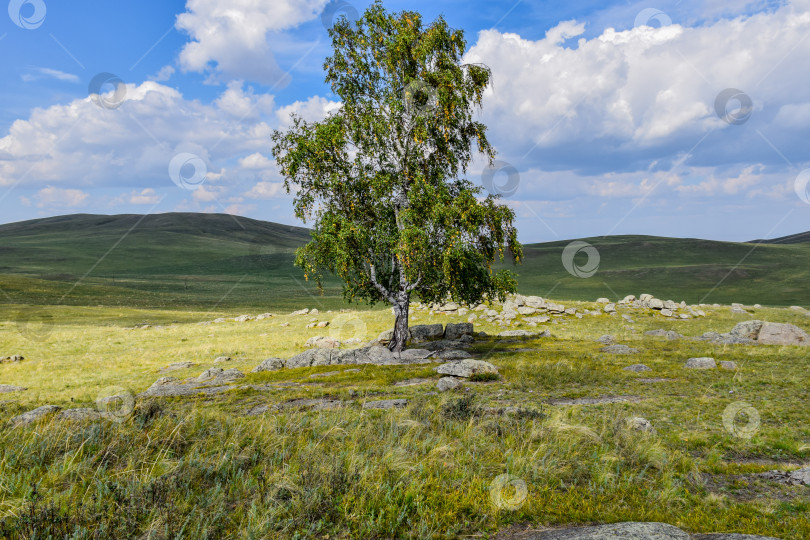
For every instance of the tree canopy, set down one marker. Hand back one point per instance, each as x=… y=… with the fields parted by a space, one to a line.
x=381 y=177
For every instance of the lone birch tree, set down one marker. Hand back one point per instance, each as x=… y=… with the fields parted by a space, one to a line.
x=380 y=178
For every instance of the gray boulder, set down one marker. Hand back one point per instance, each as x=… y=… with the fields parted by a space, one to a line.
x=457 y=330
x=769 y=333
x=655 y=303
x=220 y=375
x=607 y=339
x=701 y=363
x=637 y=423
x=727 y=364
x=466 y=368
x=426 y=332
x=34 y=415
x=312 y=357
x=8 y=388
x=447 y=383
x=269 y=364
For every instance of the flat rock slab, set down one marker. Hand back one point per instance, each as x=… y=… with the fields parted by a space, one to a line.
x=594 y=401
x=386 y=404
x=8 y=388
x=701 y=363
x=320 y=404
x=466 y=368
x=653 y=379
x=800 y=477
x=616 y=531
x=176 y=366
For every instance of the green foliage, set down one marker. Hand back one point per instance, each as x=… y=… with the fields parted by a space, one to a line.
x=380 y=177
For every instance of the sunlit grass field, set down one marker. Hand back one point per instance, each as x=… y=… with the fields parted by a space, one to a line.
x=199 y=467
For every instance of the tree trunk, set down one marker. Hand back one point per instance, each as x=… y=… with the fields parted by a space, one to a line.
x=400 y=337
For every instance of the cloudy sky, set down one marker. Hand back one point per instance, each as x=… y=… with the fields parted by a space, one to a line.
x=679 y=118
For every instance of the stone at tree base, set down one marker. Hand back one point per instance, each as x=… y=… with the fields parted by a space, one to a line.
x=386 y=404
x=447 y=383
x=637 y=368
x=34 y=415
x=425 y=332
x=270 y=364
x=701 y=363
x=618 y=349
x=466 y=368
x=8 y=388
x=457 y=330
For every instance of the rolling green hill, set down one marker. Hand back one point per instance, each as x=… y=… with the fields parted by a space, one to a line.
x=208 y=261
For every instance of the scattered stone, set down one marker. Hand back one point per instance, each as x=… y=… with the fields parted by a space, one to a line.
x=517 y=333
x=637 y=423
x=386 y=404
x=602 y=301
x=243 y=318
x=217 y=321
x=300 y=312
x=457 y=330
x=314 y=311
x=34 y=415
x=738 y=311
x=727 y=364
x=800 y=477
x=628 y=318
x=264 y=316
x=447 y=383
x=595 y=401
x=413 y=382
x=769 y=333
x=424 y=332
x=8 y=388
x=701 y=363
x=323 y=342
x=618 y=349
x=177 y=365
x=610 y=308
x=11 y=359
x=655 y=303
x=270 y=364
x=637 y=368
x=653 y=380
x=666 y=312
x=540 y=319
x=466 y=368
x=452 y=354
x=221 y=375
x=222 y=359
x=669 y=334
x=607 y=339
x=284 y=324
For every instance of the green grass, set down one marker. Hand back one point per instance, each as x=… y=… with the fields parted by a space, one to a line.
x=197 y=467
x=213 y=261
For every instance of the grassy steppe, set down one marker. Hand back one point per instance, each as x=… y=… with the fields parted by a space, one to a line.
x=198 y=467
x=211 y=261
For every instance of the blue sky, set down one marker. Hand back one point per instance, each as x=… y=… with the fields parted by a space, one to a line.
x=617 y=117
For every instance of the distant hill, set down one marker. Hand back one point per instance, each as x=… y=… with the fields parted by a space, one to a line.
x=799 y=238
x=208 y=261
